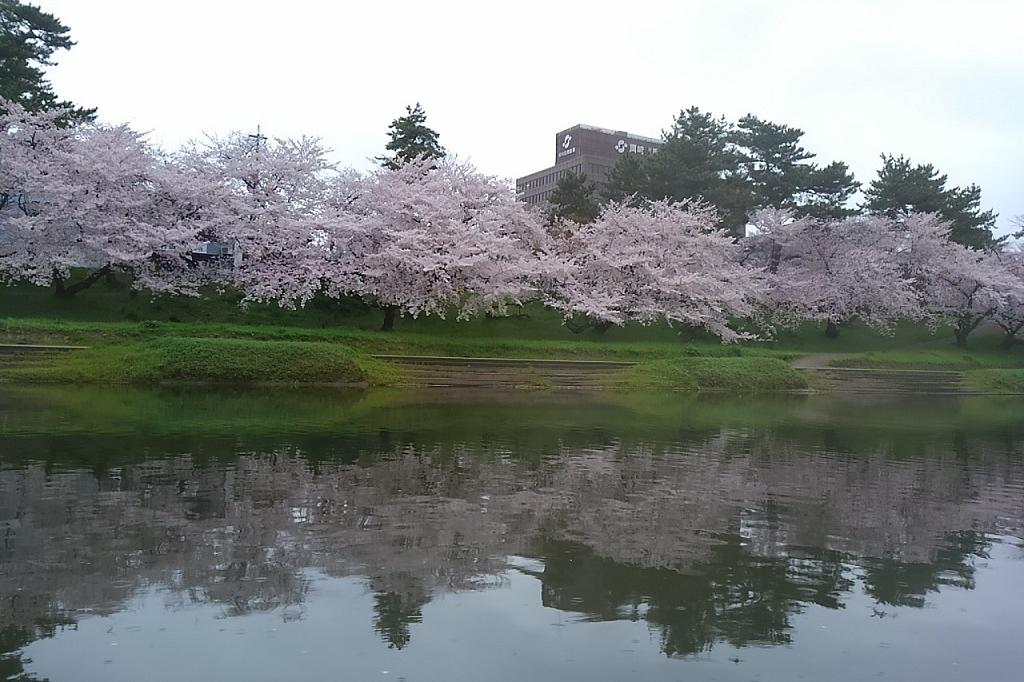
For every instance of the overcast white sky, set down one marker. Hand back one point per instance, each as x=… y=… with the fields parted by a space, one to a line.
x=942 y=82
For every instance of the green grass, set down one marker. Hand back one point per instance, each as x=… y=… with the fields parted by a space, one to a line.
x=176 y=359
x=119 y=303
x=323 y=319
x=997 y=380
x=981 y=355
x=138 y=338
x=451 y=340
x=856 y=338
x=736 y=374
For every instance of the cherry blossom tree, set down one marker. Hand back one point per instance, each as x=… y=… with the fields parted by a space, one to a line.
x=27 y=141
x=92 y=196
x=661 y=261
x=267 y=202
x=832 y=271
x=1010 y=314
x=433 y=236
x=958 y=285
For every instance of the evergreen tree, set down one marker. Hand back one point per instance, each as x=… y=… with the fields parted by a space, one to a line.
x=28 y=39
x=902 y=188
x=575 y=199
x=697 y=160
x=772 y=161
x=828 y=192
x=780 y=173
x=411 y=138
x=736 y=168
x=628 y=177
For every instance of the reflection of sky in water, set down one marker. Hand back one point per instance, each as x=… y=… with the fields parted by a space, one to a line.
x=501 y=634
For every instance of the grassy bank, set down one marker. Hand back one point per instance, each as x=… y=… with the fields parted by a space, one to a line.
x=186 y=360
x=253 y=361
x=738 y=374
x=997 y=380
x=985 y=354
x=138 y=339
x=453 y=339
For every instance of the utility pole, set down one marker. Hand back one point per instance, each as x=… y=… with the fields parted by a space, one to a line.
x=253 y=181
x=257 y=137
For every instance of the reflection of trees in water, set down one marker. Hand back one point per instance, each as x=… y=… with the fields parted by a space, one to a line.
x=738 y=596
x=394 y=612
x=905 y=583
x=14 y=637
x=722 y=538
x=732 y=596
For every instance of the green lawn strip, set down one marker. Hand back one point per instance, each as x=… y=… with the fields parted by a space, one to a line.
x=952 y=359
x=998 y=380
x=374 y=342
x=753 y=374
x=126 y=330
x=246 y=361
x=183 y=359
x=218 y=313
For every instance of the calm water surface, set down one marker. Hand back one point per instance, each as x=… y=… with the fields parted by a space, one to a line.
x=274 y=535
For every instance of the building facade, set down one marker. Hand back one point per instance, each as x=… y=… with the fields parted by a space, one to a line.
x=584 y=150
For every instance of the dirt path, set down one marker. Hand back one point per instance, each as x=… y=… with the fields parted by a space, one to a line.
x=890 y=380
x=506 y=372
x=818 y=360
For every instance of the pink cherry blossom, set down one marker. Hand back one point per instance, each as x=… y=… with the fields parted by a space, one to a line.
x=662 y=261
x=832 y=271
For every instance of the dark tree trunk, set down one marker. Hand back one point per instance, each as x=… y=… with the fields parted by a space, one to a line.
x=774 y=258
x=110 y=279
x=64 y=290
x=389 y=318
x=1010 y=340
x=578 y=325
x=962 y=332
x=832 y=329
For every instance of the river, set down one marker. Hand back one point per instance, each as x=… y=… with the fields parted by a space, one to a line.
x=270 y=534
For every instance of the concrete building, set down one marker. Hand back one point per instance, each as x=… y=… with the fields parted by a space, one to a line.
x=587 y=151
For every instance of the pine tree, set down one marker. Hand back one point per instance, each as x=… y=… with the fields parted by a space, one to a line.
x=575 y=199
x=828 y=192
x=780 y=172
x=772 y=161
x=411 y=138
x=902 y=188
x=627 y=178
x=697 y=160
x=28 y=39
